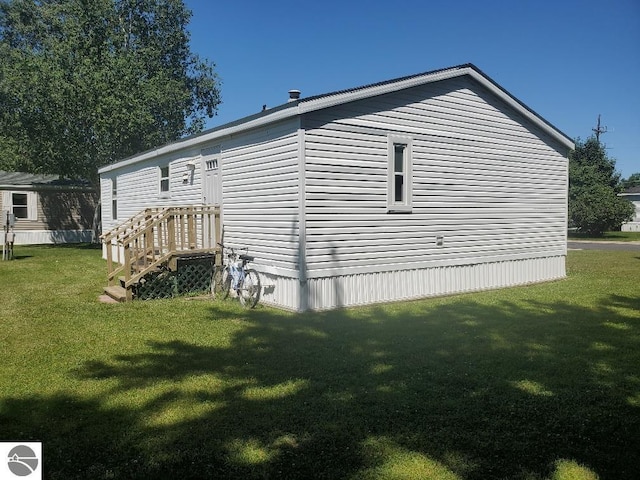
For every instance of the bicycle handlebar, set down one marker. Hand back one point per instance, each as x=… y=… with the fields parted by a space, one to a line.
x=232 y=252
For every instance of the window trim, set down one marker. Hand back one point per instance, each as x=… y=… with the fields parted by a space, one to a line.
x=32 y=204
x=406 y=205
x=114 y=198
x=164 y=193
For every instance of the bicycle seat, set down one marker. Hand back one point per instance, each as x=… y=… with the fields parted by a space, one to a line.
x=248 y=258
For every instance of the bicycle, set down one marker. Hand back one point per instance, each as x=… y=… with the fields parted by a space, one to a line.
x=234 y=276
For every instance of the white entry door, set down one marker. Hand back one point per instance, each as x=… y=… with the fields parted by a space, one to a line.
x=211 y=185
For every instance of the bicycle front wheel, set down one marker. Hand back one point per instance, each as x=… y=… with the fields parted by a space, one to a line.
x=221 y=282
x=250 y=289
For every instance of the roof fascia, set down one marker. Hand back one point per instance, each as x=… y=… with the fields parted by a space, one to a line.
x=350 y=96
x=521 y=108
x=300 y=107
x=381 y=89
x=212 y=135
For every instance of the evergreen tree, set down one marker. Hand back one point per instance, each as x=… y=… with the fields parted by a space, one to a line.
x=632 y=181
x=594 y=184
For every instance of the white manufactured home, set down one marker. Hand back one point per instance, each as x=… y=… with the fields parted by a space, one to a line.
x=426 y=185
x=633 y=195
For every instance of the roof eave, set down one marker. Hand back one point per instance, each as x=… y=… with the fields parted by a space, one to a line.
x=320 y=102
x=249 y=123
x=414 y=81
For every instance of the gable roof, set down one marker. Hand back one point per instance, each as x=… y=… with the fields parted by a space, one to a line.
x=34 y=181
x=326 y=100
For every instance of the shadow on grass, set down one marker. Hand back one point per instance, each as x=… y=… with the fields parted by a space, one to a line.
x=460 y=391
x=21 y=257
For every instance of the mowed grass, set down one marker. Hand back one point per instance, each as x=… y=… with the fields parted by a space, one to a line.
x=607 y=236
x=534 y=382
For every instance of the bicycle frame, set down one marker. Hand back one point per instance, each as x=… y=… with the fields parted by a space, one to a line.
x=235 y=276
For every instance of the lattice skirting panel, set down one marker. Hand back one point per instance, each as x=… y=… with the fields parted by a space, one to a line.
x=193 y=275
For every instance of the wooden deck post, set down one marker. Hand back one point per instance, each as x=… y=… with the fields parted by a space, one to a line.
x=127 y=272
x=171 y=232
x=148 y=236
x=217 y=235
x=109 y=247
x=191 y=225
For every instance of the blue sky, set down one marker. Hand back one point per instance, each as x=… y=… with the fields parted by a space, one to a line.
x=568 y=60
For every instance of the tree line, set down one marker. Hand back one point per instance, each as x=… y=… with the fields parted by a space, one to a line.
x=84 y=83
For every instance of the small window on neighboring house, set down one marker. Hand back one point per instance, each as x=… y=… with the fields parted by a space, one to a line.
x=164 y=181
x=20 y=205
x=23 y=205
x=114 y=199
x=399 y=194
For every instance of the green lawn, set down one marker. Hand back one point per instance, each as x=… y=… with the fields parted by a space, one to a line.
x=607 y=236
x=538 y=382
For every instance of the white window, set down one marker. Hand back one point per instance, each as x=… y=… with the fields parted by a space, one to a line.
x=23 y=205
x=114 y=199
x=400 y=179
x=164 y=181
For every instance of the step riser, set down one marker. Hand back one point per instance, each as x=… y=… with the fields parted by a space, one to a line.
x=118 y=293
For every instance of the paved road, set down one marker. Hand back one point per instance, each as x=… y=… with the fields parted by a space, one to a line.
x=586 y=245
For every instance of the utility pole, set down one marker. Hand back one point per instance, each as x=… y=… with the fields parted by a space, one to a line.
x=599 y=130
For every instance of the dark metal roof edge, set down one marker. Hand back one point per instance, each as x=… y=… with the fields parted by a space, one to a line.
x=386 y=82
x=518 y=101
x=295 y=103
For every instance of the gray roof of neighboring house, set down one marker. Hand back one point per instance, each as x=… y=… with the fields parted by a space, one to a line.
x=632 y=190
x=37 y=180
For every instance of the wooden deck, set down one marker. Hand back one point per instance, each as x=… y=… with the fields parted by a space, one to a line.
x=155 y=238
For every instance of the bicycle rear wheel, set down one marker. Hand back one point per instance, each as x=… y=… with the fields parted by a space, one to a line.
x=250 y=289
x=221 y=283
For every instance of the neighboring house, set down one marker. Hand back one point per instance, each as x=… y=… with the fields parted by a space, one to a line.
x=431 y=184
x=47 y=209
x=633 y=195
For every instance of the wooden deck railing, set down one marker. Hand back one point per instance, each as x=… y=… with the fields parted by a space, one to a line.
x=158 y=236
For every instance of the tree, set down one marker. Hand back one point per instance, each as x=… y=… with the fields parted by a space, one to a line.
x=632 y=181
x=86 y=82
x=594 y=184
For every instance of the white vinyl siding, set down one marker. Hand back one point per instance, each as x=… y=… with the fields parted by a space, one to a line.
x=486 y=181
x=260 y=195
x=138 y=186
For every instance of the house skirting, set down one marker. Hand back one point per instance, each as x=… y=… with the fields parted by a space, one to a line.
x=346 y=290
x=38 y=237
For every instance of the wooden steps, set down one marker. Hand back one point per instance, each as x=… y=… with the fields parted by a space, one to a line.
x=154 y=240
x=116 y=292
